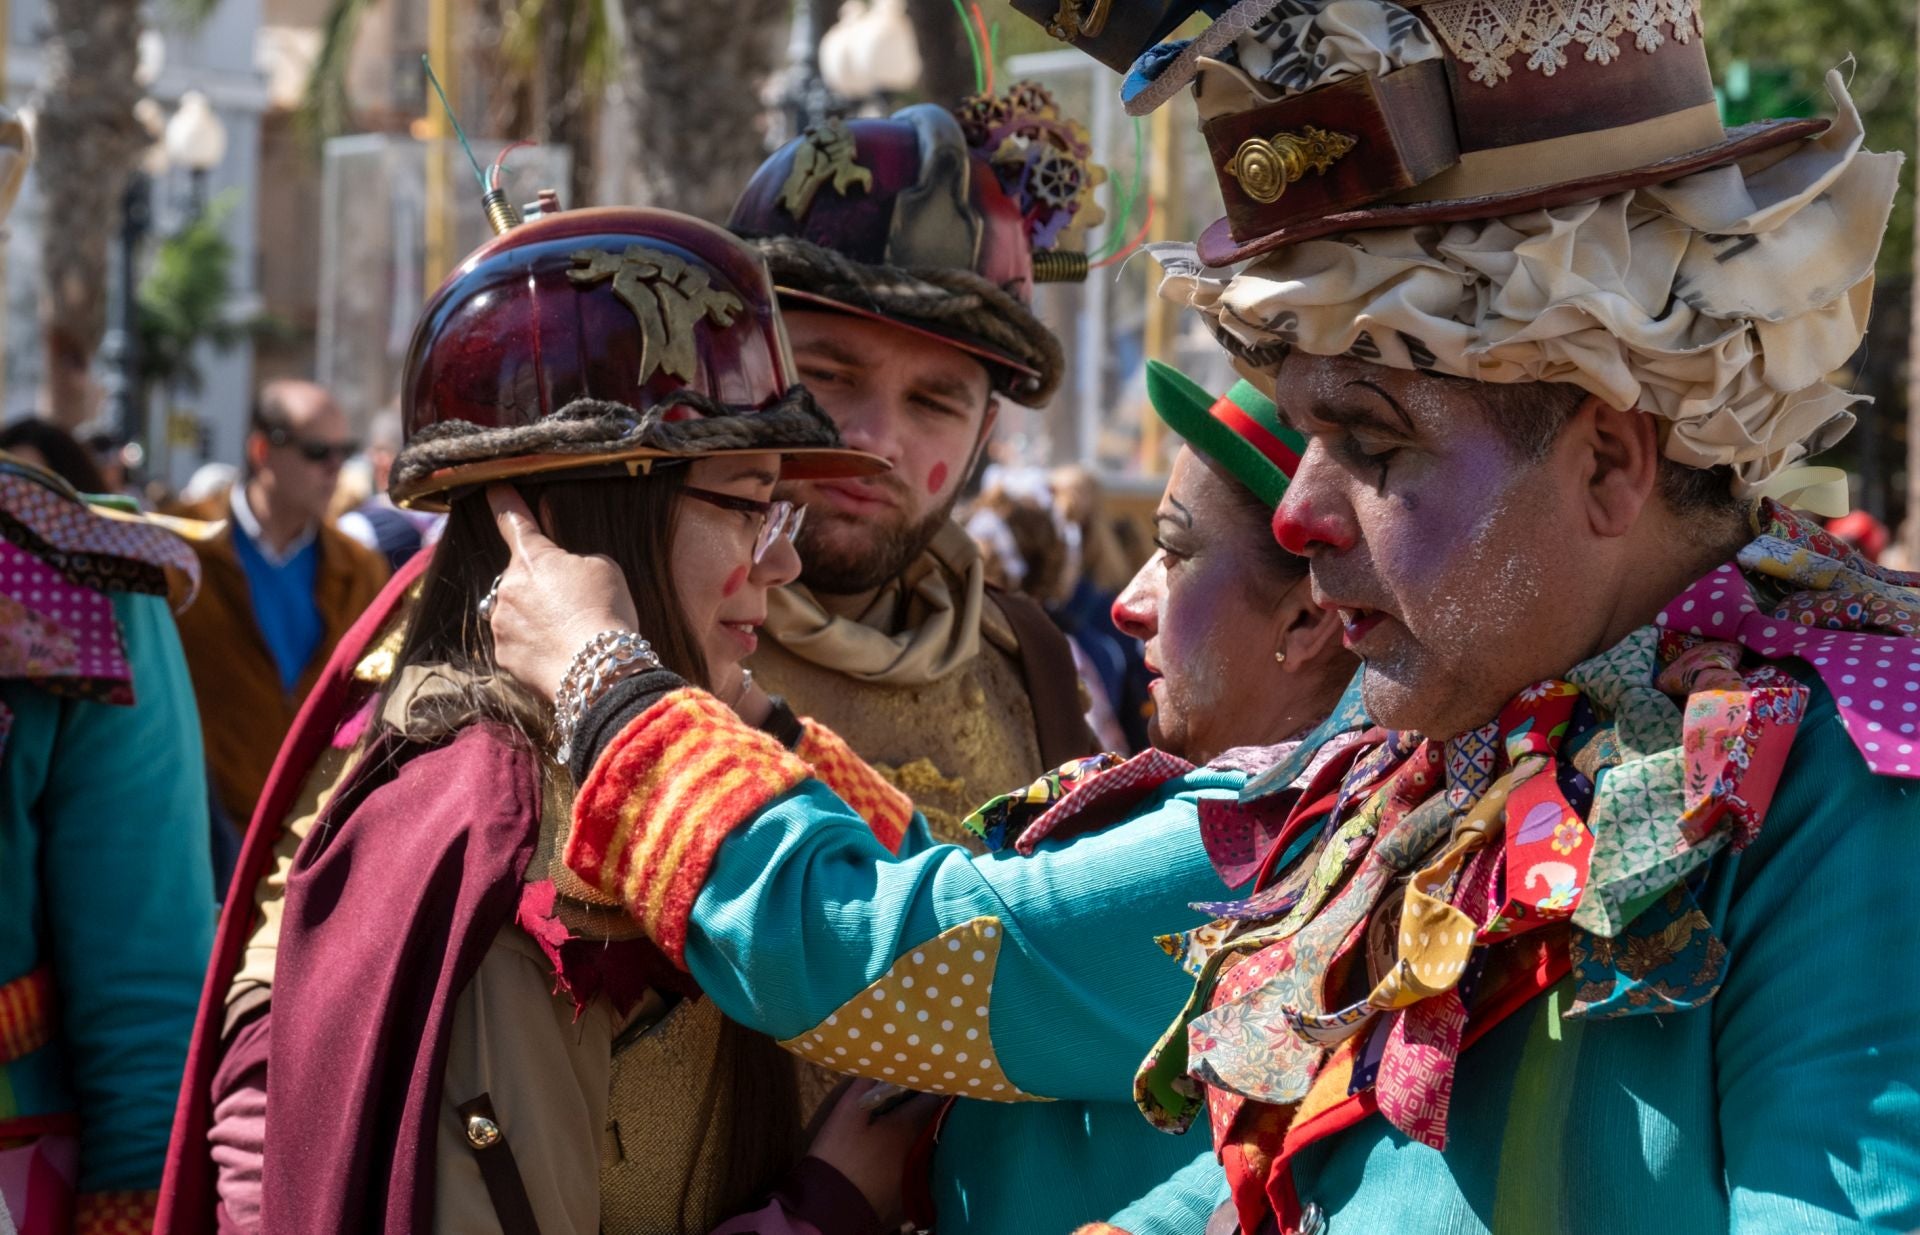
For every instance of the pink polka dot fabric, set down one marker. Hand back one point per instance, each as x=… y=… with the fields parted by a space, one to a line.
x=84 y=615
x=1875 y=679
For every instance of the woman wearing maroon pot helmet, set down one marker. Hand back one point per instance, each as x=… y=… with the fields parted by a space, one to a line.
x=447 y=1001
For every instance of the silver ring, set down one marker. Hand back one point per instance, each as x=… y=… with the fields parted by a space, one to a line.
x=487 y=602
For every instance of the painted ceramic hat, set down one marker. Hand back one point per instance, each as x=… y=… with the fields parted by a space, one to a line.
x=1328 y=116
x=1241 y=430
x=601 y=339
x=936 y=221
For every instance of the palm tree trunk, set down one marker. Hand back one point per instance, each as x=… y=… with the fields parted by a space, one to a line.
x=568 y=111
x=694 y=72
x=946 y=74
x=89 y=142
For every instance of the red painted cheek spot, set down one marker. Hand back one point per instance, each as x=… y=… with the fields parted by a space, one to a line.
x=937 y=478
x=734 y=581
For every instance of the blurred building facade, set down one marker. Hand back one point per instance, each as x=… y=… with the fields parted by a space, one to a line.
x=216 y=58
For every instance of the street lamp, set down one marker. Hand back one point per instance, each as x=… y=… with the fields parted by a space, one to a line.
x=196 y=140
x=871 y=51
x=121 y=347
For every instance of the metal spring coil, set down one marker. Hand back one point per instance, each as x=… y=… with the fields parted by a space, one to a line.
x=500 y=212
x=1059 y=266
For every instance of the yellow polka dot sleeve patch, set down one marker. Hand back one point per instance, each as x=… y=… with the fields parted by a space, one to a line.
x=924 y=1023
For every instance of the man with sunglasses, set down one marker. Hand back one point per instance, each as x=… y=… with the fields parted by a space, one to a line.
x=281 y=586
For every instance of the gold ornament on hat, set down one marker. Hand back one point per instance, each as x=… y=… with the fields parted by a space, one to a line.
x=668 y=298
x=1068 y=24
x=1266 y=166
x=825 y=156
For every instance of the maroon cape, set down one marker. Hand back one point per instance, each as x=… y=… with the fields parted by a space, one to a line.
x=394 y=899
x=187 y=1189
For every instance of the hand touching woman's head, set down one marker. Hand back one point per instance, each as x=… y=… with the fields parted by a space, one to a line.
x=670 y=554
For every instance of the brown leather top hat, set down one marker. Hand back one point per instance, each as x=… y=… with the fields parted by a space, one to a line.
x=1327 y=116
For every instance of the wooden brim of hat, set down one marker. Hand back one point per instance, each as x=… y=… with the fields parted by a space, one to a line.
x=1217 y=246
x=434 y=490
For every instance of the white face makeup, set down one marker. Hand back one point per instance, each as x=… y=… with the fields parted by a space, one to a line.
x=1445 y=554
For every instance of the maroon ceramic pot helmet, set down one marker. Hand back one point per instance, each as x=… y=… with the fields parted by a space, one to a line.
x=603 y=337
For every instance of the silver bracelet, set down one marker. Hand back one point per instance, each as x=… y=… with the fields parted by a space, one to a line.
x=608 y=657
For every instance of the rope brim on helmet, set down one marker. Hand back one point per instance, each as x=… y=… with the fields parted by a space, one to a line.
x=685 y=425
x=1024 y=358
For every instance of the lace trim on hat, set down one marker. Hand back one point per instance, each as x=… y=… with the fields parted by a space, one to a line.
x=1487 y=34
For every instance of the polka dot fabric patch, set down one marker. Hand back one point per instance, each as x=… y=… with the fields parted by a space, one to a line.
x=1875 y=679
x=924 y=1024
x=95 y=665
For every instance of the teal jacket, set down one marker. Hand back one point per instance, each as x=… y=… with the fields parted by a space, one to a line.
x=105 y=878
x=1038 y=975
x=1790 y=1103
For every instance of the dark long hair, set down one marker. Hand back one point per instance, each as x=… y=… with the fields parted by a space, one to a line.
x=66 y=458
x=631 y=521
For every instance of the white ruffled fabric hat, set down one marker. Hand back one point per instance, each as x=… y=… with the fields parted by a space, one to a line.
x=1720 y=301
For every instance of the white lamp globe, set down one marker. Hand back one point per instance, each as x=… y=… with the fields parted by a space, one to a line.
x=889 y=48
x=195 y=138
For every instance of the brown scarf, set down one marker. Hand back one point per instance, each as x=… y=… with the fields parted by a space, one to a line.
x=918 y=628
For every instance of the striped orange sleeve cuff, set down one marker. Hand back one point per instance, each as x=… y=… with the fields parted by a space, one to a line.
x=887 y=810
x=115 y=1213
x=662 y=797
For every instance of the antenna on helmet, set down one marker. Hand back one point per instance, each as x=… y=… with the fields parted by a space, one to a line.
x=500 y=212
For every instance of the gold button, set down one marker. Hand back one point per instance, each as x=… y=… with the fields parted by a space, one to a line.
x=482 y=1133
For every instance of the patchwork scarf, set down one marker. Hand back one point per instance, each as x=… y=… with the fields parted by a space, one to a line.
x=1580 y=821
x=60 y=562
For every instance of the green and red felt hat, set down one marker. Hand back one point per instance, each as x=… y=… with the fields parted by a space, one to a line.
x=1241 y=430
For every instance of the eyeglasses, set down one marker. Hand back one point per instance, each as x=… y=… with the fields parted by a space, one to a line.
x=312 y=451
x=778 y=520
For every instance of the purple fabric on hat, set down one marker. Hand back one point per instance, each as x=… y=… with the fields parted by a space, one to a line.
x=84 y=614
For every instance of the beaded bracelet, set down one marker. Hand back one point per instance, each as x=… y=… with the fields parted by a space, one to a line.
x=607 y=658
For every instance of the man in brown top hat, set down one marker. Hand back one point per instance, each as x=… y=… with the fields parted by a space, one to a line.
x=1573 y=940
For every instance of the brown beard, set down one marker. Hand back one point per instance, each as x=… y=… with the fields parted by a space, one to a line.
x=831 y=568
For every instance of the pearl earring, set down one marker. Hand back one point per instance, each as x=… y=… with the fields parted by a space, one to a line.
x=1279 y=658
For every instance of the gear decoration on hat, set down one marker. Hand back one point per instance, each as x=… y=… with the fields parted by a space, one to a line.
x=1044 y=162
x=1070 y=23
